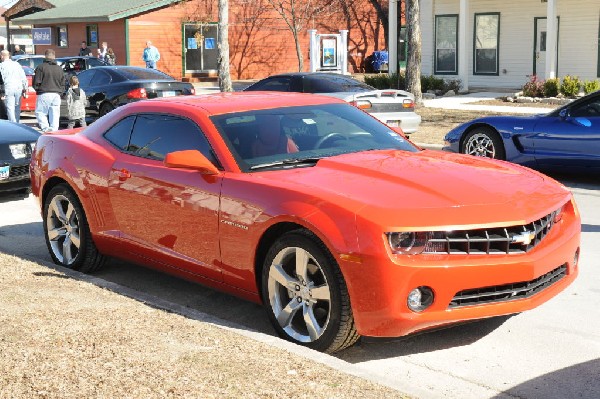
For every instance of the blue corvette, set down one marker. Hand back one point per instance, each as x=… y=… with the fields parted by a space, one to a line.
x=566 y=137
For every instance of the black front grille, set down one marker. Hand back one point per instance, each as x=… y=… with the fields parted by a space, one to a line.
x=507 y=292
x=19 y=171
x=504 y=240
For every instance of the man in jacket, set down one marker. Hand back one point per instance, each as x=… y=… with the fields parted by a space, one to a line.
x=49 y=83
x=15 y=85
x=151 y=55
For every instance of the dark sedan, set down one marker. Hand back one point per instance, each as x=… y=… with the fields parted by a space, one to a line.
x=16 y=145
x=568 y=137
x=108 y=87
x=396 y=108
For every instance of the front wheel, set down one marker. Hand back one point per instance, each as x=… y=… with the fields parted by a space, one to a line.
x=483 y=142
x=67 y=232
x=305 y=294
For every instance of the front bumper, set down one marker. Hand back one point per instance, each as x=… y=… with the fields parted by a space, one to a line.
x=18 y=178
x=379 y=286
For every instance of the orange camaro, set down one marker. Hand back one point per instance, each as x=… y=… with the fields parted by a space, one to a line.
x=336 y=223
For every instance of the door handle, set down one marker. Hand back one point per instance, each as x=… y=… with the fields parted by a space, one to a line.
x=123 y=174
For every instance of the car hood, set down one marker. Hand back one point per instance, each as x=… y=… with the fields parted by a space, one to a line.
x=400 y=188
x=16 y=133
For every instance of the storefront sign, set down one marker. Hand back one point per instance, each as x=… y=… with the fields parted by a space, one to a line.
x=41 y=36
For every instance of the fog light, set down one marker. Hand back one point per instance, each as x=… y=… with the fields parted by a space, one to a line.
x=420 y=299
x=576 y=258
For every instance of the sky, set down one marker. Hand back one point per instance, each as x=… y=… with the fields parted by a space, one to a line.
x=7 y=3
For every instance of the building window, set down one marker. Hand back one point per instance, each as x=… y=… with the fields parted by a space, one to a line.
x=92 y=35
x=486 y=40
x=446 y=39
x=61 y=36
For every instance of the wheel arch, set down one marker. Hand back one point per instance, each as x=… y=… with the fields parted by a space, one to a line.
x=476 y=126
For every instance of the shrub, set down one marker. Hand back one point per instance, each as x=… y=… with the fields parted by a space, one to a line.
x=384 y=81
x=570 y=86
x=533 y=88
x=453 y=84
x=551 y=87
x=590 y=86
x=431 y=83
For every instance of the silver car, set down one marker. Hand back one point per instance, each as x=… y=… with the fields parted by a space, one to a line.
x=396 y=108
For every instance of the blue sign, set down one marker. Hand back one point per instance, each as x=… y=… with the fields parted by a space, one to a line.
x=209 y=43
x=41 y=36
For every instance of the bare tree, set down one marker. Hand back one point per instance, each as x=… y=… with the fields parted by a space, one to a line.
x=298 y=13
x=223 y=45
x=413 y=63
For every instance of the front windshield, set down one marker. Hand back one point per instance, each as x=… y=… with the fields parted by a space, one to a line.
x=283 y=137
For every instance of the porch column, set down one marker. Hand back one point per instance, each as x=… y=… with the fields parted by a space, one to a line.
x=313 y=50
x=463 y=54
x=551 y=35
x=393 y=37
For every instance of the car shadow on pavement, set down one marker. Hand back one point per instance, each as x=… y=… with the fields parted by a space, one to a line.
x=13 y=196
x=578 y=381
x=449 y=337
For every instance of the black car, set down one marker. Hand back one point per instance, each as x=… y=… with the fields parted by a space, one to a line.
x=16 y=145
x=108 y=87
x=75 y=65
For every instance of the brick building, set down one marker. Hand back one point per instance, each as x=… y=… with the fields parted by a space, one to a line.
x=185 y=32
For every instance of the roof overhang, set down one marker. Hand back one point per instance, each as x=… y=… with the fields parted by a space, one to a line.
x=26 y=7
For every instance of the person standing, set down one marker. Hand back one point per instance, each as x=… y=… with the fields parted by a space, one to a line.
x=18 y=50
x=151 y=55
x=111 y=58
x=76 y=101
x=15 y=86
x=84 y=50
x=102 y=52
x=49 y=83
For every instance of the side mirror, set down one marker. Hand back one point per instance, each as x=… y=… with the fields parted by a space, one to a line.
x=190 y=159
x=564 y=113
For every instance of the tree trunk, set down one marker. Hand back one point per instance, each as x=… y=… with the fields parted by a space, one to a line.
x=299 y=52
x=223 y=45
x=413 y=63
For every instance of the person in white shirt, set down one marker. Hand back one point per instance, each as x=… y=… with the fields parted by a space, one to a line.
x=15 y=86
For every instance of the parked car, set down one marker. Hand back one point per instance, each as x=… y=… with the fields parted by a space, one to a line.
x=75 y=65
x=108 y=87
x=17 y=142
x=396 y=108
x=29 y=60
x=569 y=136
x=28 y=103
x=337 y=224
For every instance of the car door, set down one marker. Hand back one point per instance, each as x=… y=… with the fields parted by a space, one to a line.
x=169 y=215
x=95 y=83
x=572 y=138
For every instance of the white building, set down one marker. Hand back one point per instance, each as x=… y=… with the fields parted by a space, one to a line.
x=495 y=44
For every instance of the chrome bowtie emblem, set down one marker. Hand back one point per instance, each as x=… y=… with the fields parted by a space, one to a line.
x=524 y=238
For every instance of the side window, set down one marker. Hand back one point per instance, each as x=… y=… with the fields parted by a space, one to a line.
x=273 y=84
x=590 y=108
x=100 y=78
x=85 y=78
x=119 y=134
x=154 y=136
x=93 y=62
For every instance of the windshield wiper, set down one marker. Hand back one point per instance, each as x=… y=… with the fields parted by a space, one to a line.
x=285 y=162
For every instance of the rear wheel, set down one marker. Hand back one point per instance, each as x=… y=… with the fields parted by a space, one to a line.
x=105 y=108
x=305 y=294
x=483 y=142
x=67 y=232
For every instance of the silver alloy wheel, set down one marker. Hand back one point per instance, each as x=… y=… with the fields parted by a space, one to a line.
x=299 y=294
x=480 y=145
x=62 y=225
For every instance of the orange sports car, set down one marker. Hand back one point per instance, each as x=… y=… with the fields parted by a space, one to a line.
x=335 y=222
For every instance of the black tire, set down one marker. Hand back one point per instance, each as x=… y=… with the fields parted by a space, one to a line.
x=105 y=108
x=332 y=321
x=67 y=233
x=485 y=142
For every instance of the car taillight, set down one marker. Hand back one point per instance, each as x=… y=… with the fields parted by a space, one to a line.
x=362 y=104
x=137 y=93
x=407 y=103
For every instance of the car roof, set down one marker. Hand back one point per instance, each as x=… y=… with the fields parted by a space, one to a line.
x=224 y=103
x=21 y=56
x=302 y=74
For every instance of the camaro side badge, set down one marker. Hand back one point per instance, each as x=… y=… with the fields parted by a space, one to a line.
x=524 y=238
x=234 y=224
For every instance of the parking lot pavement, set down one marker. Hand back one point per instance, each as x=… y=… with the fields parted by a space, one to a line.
x=552 y=351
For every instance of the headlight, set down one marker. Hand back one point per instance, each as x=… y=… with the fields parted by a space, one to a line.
x=408 y=243
x=18 y=151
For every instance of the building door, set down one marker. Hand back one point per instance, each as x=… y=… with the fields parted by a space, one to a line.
x=539 y=54
x=200 y=47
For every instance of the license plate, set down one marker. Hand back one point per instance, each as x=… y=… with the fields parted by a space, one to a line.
x=393 y=123
x=168 y=93
x=4 y=172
